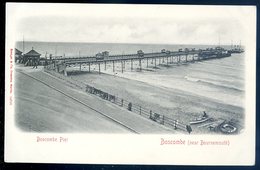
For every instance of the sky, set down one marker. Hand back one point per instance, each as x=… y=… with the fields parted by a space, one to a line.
x=157 y=24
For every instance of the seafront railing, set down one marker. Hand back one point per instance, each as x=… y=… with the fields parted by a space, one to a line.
x=138 y=109
x=150 y=114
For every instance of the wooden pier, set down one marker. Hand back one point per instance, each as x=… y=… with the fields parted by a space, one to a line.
x=156 y=58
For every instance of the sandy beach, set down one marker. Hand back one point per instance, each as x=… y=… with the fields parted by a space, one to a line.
x=173 y=103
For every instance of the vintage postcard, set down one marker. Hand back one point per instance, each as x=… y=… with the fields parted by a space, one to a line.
x=130 y=84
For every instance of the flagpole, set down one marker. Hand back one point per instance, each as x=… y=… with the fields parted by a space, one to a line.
x=23 y=44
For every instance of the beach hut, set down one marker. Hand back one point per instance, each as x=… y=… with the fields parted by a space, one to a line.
x=31 y=57
x=18 y=55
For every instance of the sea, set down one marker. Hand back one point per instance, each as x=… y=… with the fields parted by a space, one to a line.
x=222 y=80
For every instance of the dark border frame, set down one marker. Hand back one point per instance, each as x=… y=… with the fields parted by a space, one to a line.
x=115 y=167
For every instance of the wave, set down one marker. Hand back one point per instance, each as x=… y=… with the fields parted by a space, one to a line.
x=219 y=78
x=192 y=79
x=223 y=75
x=213 y=83
x=223 y=66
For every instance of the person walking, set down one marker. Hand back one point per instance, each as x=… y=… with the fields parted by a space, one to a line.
x=205 y=114
x=188 y=127
x=33 y=63
x=129 y=106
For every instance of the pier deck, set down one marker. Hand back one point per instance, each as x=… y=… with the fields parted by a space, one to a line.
x=60 y=64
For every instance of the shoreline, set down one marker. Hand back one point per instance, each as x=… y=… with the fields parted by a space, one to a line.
x=179 y=76
x=171 y=103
